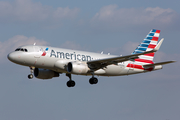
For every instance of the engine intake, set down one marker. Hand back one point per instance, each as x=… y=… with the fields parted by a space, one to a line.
x=45 y=73
x=77 y=68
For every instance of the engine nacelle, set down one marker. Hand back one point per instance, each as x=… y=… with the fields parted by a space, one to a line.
x=77 y=68
x=45 y=73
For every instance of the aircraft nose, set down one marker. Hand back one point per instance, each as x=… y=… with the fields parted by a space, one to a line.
x=12 y=57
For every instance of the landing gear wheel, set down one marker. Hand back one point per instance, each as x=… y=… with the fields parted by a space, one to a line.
x=30 y=76
x=93 y=80
x=71 y=83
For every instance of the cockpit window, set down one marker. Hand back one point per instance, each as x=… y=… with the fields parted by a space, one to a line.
x=21 y=49
x=17 y=49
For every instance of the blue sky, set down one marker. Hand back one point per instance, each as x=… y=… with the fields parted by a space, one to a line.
x=112 y=26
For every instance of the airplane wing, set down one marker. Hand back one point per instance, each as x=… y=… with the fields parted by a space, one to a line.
x=97 y=64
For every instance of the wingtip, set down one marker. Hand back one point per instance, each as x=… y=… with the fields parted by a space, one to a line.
x=173 y=61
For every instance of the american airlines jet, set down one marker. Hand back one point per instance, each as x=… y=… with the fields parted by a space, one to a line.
x=48 y=62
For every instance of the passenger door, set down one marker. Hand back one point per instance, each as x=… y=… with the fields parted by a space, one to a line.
x=37 y=52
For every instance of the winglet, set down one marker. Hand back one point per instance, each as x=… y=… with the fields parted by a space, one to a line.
x=158 y=45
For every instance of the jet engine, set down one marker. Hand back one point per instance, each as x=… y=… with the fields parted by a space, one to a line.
x=77 y=68
x=45 y=73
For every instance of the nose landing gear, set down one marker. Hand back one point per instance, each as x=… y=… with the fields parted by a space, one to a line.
x=30 y=76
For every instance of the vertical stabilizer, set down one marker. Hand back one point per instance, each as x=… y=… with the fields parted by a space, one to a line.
x=148 y=44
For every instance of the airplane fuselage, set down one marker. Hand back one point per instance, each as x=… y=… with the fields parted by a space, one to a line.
x=50 y=57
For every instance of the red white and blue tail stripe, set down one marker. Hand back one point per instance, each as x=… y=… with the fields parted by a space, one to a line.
x=148 y=44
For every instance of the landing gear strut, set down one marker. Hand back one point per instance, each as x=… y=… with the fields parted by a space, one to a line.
x=93 y=80
x=70 y=83
x=30 y=76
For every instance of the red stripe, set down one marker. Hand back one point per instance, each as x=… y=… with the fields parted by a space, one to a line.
x=155 y=38
x=135 y=66
x=151 y=46
x=158 y=31
x=150 y=54
x=139 y=67
x=144 y=61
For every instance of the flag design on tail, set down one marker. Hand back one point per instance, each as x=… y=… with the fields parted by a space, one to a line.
x=148 y=44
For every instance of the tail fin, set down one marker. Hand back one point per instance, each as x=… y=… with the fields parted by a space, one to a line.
x=148 y=44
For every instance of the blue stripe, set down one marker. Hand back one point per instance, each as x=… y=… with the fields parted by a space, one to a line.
x=151 y=34
x=142 y=49
x=153 y=30
x=150 y=38
x=144 y=45
x=145 y=41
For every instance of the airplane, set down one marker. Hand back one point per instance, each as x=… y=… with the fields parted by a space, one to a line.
x=47 y=62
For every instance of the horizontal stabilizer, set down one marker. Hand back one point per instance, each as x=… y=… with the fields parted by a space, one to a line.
x=160 y=63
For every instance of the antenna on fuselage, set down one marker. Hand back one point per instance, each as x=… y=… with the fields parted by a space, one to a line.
x=34 y=43
x=102 y=52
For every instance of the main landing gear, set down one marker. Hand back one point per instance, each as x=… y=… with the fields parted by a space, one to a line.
x=72 y=83
x=30 y=76
x=93 y=80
